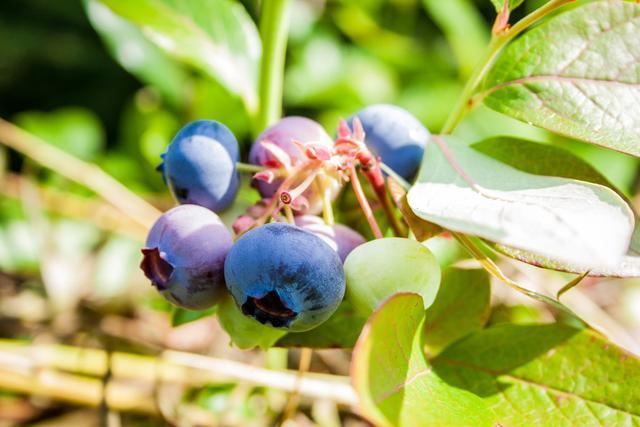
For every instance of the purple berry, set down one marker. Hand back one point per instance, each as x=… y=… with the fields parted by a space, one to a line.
x=283 y=134
x=395 y=135
x=283 y=276
x=184 y=256
x=199 y=165
x=341 y=238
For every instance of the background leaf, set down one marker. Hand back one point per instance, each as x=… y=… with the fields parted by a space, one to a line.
x=577 y=222
x=136 y=54
x=545 y=375
x=462 y=306
x=180 y=316
x=216 y=36
x=393 y=379
x=379 y=268
x=576 y=74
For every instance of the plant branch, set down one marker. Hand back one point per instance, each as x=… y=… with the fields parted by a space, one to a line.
x=364 y=203
x=86 y=174
x=274 y=28
x=497 y=43
x=170 y=367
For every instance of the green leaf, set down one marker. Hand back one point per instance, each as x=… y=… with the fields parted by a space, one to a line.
x=576 y=74
x=509 y=375
x=545 y=375
x=76 y=130
x=571 y=221
x=382 y=267
x=136 y=54
x=180 y=316
x=461 y=306
x=541 y=159
x=341 y=330
x=215 y=36
x=394 y=380
x=245 y=332
x=544 y=159
x=499 y=4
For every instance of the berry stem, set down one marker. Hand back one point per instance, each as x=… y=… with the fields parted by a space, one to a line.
x=497 y=43
x=364 y=203
x=248 y=167
x=289 y=214
x=327 y=210
x=274 y=27
x=380 y=188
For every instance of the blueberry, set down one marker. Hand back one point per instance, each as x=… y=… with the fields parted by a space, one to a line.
x=283 y=134
x=199 y=165
x=395 y=135
x=284 y=277
x=184 y=256
x=341 y=238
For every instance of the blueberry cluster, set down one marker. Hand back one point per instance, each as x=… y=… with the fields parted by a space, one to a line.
x=284 y=266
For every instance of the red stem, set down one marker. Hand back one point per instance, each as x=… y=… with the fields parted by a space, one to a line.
x=364 y=203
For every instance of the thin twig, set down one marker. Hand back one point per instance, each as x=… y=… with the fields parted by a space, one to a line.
x=294 y=397
x=86 y=174
x=173 y=367
x=364 y=203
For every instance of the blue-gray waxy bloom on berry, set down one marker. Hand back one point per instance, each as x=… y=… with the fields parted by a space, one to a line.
x=184 y=256
x=285 y=277
x=395 y=135
x=199 y=165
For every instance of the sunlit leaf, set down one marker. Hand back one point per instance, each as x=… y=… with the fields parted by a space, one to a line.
x=136 y=54
x=545 y=375
x=508 y=375
x=545 y=159
x=568 y=220
x=576 y=74
x=216 y=36
x=395 y=382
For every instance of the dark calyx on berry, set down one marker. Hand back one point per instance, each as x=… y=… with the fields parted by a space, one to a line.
x=269 y=309
x=156 y=268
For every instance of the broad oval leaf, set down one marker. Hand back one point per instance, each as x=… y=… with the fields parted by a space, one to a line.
x=395 y=382
x=567 y=220
x=136 y=54
x=215 y=36
x=577 y=74
x=545 y=375
x=462 y=306
x=545 y=159
x=380 y=268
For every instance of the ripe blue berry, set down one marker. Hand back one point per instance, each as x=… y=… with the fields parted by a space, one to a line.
x=184 y=256
x=395 y=135
x=341 y=238
x=284 y=277
x=199 y=165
